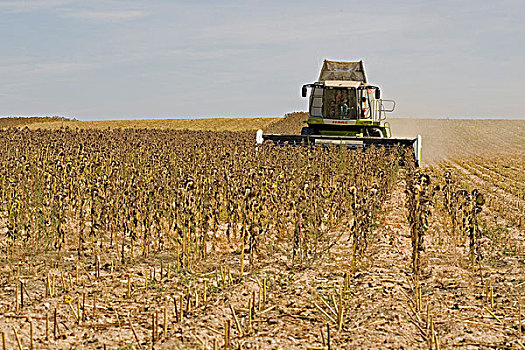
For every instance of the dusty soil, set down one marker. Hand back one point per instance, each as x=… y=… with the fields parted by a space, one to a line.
x=378 y=297
x=110 y=304
x=463 y=138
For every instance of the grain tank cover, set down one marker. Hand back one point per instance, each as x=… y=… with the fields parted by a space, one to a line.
x=333 y=70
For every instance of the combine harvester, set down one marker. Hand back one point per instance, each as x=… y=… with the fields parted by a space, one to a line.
x=345 y=110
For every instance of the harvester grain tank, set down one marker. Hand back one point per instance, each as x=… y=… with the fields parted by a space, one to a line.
x=344 y=109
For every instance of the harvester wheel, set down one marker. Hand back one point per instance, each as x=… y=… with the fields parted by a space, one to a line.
x=306 y=131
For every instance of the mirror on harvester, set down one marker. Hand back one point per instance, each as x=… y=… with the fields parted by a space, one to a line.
x=378 y=94
x=304 y=91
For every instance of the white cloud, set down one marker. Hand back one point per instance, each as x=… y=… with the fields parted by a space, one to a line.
x=30 y=5
x=45 y=69
x=111 y=15
x=67 y=8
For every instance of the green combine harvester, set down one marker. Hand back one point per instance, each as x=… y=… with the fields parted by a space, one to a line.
x=345 y=110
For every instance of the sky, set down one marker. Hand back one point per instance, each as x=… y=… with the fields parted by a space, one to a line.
x=132 y=59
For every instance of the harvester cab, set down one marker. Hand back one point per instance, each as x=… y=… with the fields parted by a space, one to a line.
x=345 y=110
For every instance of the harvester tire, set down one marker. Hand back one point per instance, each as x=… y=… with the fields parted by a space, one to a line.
x=306 y=131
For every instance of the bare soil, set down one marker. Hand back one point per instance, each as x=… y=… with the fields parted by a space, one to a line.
x=112 y=304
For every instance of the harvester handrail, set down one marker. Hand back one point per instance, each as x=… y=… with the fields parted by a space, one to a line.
x=387 y=110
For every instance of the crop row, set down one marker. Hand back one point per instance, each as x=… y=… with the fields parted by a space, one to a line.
x=137 y=192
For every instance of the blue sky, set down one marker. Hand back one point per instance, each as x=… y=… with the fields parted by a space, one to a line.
x=168 y=59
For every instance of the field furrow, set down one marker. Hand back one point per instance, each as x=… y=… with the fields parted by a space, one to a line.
x=502 y=203
x=141 y=236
